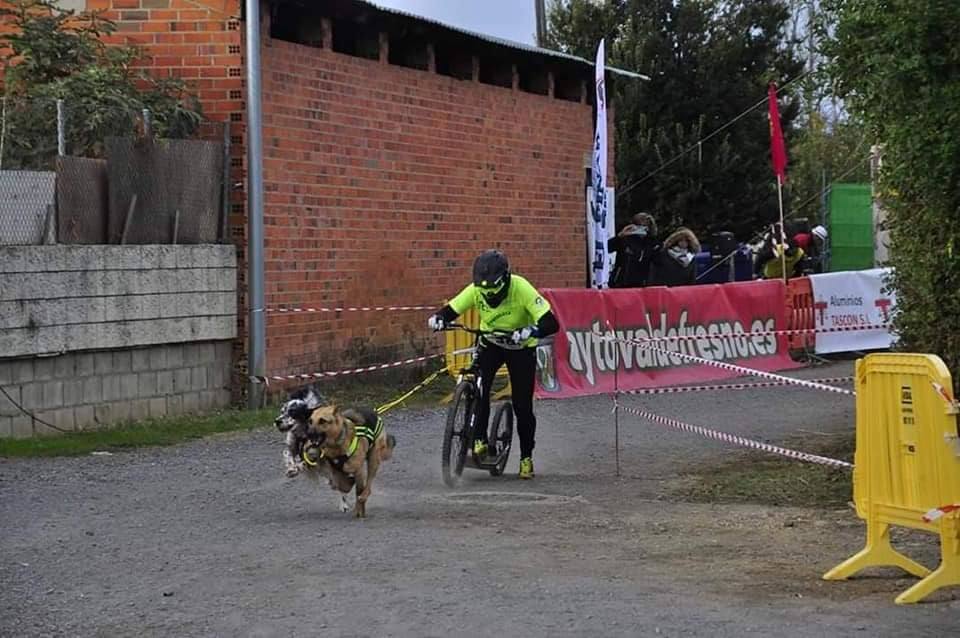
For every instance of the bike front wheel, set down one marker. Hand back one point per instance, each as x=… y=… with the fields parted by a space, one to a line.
x=456 y=434
x=502 y=436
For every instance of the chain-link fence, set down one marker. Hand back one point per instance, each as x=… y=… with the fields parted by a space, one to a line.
x=95 y=174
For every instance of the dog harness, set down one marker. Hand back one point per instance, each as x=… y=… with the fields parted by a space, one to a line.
x=370 y=428
x=367 y=432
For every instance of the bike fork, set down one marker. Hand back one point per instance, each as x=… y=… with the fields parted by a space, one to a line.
x=473 y=411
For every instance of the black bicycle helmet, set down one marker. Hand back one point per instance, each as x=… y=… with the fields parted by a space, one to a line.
x=491 y=274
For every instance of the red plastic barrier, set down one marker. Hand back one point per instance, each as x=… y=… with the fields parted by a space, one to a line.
x=800 y=315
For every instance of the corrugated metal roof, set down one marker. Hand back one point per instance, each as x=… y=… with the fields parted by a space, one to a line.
x=501 y=42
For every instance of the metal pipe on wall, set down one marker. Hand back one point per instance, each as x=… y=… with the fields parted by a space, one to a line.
x=147 y=124
x=61 y=130
x=255 y=286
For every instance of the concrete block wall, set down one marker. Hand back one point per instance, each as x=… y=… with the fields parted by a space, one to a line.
x=55 y=299
x=92 y=336
x=79 y=391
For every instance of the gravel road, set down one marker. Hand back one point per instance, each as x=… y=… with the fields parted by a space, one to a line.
x=210 y=539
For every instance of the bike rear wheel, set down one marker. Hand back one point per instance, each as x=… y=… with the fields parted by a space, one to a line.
x=502 y=436
x=456 y=434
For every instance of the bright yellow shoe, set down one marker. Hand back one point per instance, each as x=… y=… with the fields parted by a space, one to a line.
x=526 y=468
x=480 y=449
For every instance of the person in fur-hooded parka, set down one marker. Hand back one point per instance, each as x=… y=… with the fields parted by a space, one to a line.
x=673 y=265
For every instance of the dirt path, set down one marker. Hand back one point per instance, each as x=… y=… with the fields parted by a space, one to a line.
x=208 y=539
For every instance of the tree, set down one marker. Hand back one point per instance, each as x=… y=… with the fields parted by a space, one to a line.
x=826 y=150
x=50 y=54
x=709 y=61
x=896 y=65
x=829 y=144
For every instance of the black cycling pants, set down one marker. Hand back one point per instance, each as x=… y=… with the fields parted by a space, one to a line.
x=522 y=367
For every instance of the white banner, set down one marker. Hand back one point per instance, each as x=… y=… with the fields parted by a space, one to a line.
x=597 y=211
x=609 y=229
x=848 y=307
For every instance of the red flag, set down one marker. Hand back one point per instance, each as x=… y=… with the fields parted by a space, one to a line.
x=778 y=150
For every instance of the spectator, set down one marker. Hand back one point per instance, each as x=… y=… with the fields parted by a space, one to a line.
x=770 y=260
x=812 y=246
x=803 y=241
x=673 y=264
x=818 y=247
x=635 y=246
x=764 y=252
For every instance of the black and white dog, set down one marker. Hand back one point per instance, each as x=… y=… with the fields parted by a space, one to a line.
x=293 y=421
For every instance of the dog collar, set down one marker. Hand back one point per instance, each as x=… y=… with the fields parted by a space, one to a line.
x=354 y=442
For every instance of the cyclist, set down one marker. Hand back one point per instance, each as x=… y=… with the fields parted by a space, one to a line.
x=507 y=303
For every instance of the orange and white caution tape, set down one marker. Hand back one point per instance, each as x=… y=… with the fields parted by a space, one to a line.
x=944 y=394
x=737 y=440
x=645 y=343
x=938 y=512
x=774 y=333
x=310 y=376
x=675 y=389
x=880 y=326
x=286 y=310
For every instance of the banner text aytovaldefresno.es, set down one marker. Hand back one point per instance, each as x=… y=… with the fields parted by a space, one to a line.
x=602 y=350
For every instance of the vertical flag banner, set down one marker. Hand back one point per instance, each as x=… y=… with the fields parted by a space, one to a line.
x=778 y=150
x=778 y=154
x=598 y=210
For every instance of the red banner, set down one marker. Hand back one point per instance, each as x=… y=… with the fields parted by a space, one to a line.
x=592 y=353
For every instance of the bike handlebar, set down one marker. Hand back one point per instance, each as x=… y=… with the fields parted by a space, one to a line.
x=459 y=326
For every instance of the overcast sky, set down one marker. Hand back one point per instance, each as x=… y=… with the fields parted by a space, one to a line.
x=508 y=19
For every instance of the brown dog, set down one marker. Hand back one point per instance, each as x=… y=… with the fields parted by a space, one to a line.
x=353 y=442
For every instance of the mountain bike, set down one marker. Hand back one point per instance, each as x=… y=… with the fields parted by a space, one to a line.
x=461 y=427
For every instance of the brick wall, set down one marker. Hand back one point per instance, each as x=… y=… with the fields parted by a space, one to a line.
x=201 y=42
x=196 y=40
x=87 y=390
x=384 y=182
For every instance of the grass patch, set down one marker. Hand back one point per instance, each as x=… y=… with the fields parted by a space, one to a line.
x=370 y=390
x=768 y=480
x=168 y=431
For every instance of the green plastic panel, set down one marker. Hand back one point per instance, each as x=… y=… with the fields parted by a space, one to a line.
x=851 y=227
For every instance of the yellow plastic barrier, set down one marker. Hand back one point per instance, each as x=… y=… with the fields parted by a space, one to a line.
x=460 y=340
x=907 y=465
